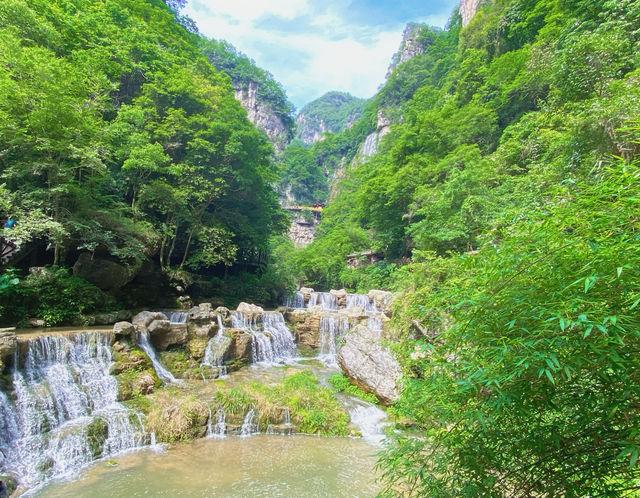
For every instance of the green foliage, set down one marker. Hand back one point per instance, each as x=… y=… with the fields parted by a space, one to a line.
x=534 y=375
x=119 y=138
x=52 y=295
x=342 y=384
x=332 y=113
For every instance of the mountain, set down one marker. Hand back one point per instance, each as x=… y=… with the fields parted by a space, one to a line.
x=260 y=94
x=331 y=113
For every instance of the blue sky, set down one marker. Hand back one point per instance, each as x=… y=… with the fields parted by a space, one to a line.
x=312 y=47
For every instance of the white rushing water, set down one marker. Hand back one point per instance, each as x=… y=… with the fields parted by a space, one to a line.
x=63 y=412
x=220 y=429
x=332 y=328
x=325 y=300
x=361 y=301
x=250 y=424
x=295 y=301
x=271 y=340
x=371 y=421
x=215 y=351
x=176 y=317
x=164 y=374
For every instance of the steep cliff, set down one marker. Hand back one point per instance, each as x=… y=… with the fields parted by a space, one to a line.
x=333 y=112
x=259 y=93
x=413 y=43
x=468 y=9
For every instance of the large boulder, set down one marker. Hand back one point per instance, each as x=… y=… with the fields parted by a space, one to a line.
x=370 y=365
x=164 y=335
x=124 y=329
x=103 y=273
x=8 y=345
x=203 y=321
x=143 y=319
x=241 y=346
x=251 y=311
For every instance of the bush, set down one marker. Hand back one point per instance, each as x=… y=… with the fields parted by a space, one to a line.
x=52 y=294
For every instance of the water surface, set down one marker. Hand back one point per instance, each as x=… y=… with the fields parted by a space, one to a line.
x=258 y=466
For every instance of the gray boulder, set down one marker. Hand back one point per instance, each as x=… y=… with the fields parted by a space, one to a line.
x=370 y=365
x=143 y=319
x=123 y=328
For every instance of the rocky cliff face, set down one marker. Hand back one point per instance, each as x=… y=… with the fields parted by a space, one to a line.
x=261 y=115
x=412 y=45
x=468 y=9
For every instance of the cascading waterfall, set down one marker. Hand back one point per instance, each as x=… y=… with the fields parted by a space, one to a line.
x=164 y=374
x=295 y=301
x=176 y=317
x=331 y=329
x=274 y=343
x=250 y=426
x=220 y=429
x=215 y=351
x=361 y=301
x=370 y=420
x=63 y=412
x=325 y=300
x=287 y=417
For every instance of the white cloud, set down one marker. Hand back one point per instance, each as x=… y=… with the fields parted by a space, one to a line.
x=354 y=59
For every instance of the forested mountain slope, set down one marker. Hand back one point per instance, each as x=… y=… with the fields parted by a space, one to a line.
x=120 y=141
x=504 y=202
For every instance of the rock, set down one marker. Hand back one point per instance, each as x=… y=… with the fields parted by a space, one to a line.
x=468 y=9
x=103 y=273
x=159 y=327
x=250 y=310
x=370 y=365
x=143 y=319
x=37 y=323
x=306 y=293
x=132 y=360
x=123 y=329
x=197 y=348
x=203 y=313
x=383 y=300
x=341 y=297
x=161 y=338
x=241 y=346
x=261 y=113
x=185 y=302
x=295 y=316
x=8 y=346
x=223 y=312
x=144 y=383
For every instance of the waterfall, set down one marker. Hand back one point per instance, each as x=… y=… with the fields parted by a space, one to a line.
x=209 y=423
x=176 y=317
x=326 y=300
x=215 y=351
x=283 y=344
x=249 y=426
x=295 y=301
x=331 y=329
x=220 y=429
x=271 y=339
x=164 y=374
x=287 y=417
x=371 y=421
x=63 y=412
x=361 y=301
x=374 y=323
